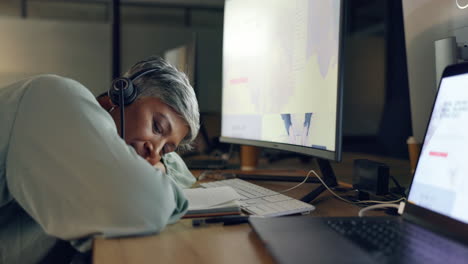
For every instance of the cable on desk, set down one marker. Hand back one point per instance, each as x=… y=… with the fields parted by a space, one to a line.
x=297 y=185
x=358 y=202
x=376 y=206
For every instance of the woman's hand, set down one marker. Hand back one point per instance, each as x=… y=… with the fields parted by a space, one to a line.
x=160 y=166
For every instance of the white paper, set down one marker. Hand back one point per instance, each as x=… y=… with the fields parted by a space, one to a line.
x=200 y=198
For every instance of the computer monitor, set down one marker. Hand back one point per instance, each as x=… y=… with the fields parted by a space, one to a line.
x=282 y=75
x=425 y=22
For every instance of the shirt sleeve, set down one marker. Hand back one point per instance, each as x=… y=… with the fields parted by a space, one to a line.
x=178 y=171
x=69 y=169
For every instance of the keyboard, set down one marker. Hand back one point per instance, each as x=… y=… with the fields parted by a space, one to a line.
x=261 y=201
x=395 y=242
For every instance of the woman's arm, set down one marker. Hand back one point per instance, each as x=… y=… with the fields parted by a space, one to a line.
x=178 y=171
x=69 y=169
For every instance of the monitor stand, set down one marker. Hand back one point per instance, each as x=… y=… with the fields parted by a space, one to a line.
x=328 y=176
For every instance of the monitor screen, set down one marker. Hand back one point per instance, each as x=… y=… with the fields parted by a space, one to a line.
x=282 y=80
x=440 y=181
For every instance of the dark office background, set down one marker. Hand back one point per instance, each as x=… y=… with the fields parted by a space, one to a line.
x=376 y=98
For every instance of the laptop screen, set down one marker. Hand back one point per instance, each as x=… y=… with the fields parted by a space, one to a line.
x=440 y=182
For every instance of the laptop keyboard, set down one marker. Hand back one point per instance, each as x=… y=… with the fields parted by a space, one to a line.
x=391 y=241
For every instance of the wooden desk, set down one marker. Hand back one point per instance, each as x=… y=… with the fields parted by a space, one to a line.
x=181 y=243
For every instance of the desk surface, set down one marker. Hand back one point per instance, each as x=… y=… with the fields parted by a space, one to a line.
x=181 y=243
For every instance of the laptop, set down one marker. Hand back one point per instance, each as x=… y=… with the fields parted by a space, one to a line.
x=433 y=227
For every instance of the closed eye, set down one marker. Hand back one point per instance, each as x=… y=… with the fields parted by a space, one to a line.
x=156 y=128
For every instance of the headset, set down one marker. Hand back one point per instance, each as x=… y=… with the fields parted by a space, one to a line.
x=123 y=93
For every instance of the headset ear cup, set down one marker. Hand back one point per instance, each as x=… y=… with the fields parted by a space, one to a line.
x=129 y=92
x=126 y=84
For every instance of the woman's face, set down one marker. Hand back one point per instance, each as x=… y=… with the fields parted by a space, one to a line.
x=152 y=128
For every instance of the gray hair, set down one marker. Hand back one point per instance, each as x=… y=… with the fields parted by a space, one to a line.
x=173 y=88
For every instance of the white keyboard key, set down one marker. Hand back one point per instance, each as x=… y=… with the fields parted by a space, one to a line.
x=276 y=198
x=254 y=210
x=244 y=194
x=252 y=201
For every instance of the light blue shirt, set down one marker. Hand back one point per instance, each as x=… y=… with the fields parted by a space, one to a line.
x=65 y=173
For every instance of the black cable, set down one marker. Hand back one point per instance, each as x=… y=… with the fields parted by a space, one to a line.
x=122 y=117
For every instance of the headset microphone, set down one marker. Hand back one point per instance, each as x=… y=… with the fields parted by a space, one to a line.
x=123 y=93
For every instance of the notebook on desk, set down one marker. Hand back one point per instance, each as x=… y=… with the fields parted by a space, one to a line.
x=434 y=225
x=212 y=202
